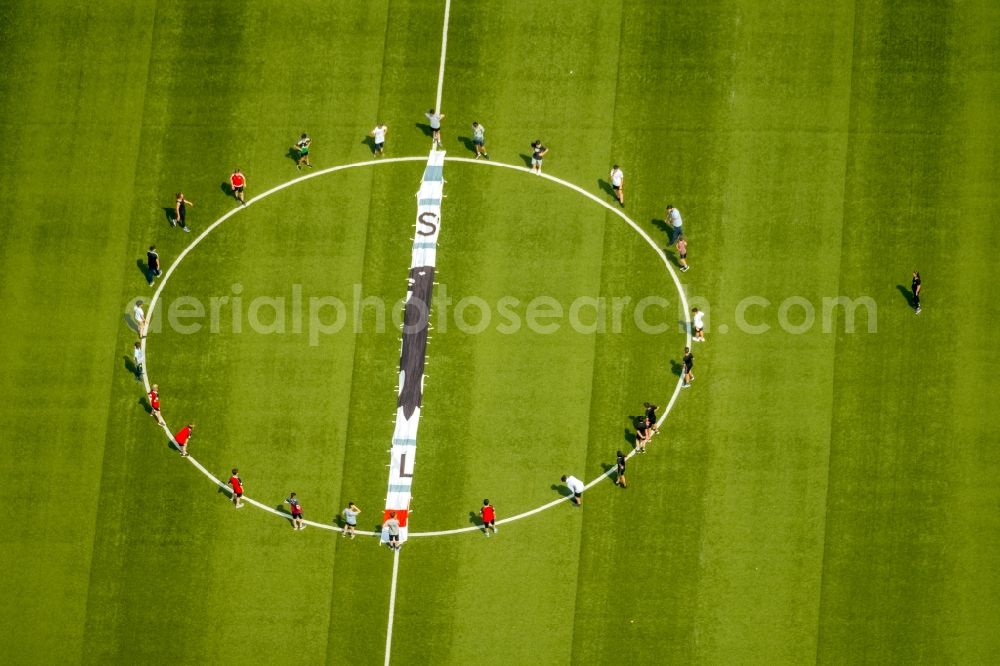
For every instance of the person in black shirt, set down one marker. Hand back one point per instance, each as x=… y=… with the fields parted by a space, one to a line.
x=642 y=435
x=152 y=265
x=915 y=285
x=537 y=153
x=651 y=414
x=688 y=366
x=620 y=465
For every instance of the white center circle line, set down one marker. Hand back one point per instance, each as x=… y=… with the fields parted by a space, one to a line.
x=390 y=160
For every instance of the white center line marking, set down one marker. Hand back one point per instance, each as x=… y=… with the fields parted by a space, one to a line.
x=392 y=606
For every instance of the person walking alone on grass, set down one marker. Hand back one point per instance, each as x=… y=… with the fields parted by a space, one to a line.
x=489 y=517
x=575 y=486
x=180 y=211
x=391 y=526
x=698 y=324
x=182 y=438
x=152 y=265
x=238 y=184
x=378 y=134
x=435 y=118
x=682 y=253
x=688 y=362
x=302 y=145
x=139 y=317
x=617 y=183
x=620 y=469
x=237 y=483
x=915 y=286
x=537 y=153
x=673 y=218
x=293 y=502
x=154 y=404
x=351 y=520
x=479 y=140
x=139 y=357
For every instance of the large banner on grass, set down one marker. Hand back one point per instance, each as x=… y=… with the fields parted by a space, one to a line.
x=413 y=350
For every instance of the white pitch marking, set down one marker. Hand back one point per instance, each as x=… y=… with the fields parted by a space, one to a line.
x=417 y=158
x=392 y=606
x=444 y=50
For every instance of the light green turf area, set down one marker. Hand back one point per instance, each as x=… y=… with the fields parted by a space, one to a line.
x=819 y=495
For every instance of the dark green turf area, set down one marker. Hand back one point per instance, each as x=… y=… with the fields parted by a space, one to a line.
x=823 y=493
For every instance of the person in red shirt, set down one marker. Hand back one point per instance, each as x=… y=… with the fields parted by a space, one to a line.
x=238 y=183
x=154 y=404
x=489 y=517
x=237 y=483
x=182 y=438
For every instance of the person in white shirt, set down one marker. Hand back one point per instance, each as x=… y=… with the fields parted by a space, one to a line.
x=379 y=135
x=140 y=318
x=617 y=183
x=139 y=357
x=575 y=486
x=674 y=220
x=435 y=117
x=698 y=324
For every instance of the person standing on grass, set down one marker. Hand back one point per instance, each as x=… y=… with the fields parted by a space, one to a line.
x=302 y=145
x=915 y=286
x=180 y=211
x=351 y=520
x=237 y=483
x=378 y=134
x=642 y=434
x=489 y=517
x=682 y=253
x=620 y=469
x=479 y=140
x=435 y=118
x=651 y=414
x=575 y=486
x=293 y=502
x=673 y=219
x=182 y=438
x=152 y=265
x=688 y=362
x=139 y=357
x=154 y=404
x=537 y=153
x=698 y=324
x=391 y=526
x=139 y=317
x=238 y=184
x=617 y=178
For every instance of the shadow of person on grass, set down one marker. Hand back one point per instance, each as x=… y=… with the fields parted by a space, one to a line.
x=283 y=510
x=370 y=142
x=130 y=366
x=562 y=489
x=665 y=228
x=426 y=129
x=606 y=187
x=144 y=269
x=527 y=159
x=169 y=213
x=607 y=467
x=907 y=294
x=469 y=145
x=293 y=154
x=629 y=436
x=676 y=368
x=475 y=519
x=226 y=188
x=144 y=403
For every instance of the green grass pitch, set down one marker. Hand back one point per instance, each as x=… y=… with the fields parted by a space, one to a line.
x=819 y=495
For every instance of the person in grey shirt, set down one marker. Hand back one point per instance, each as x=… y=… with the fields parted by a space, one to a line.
x=351 y=519
x=673 y=218
x=391 y=526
